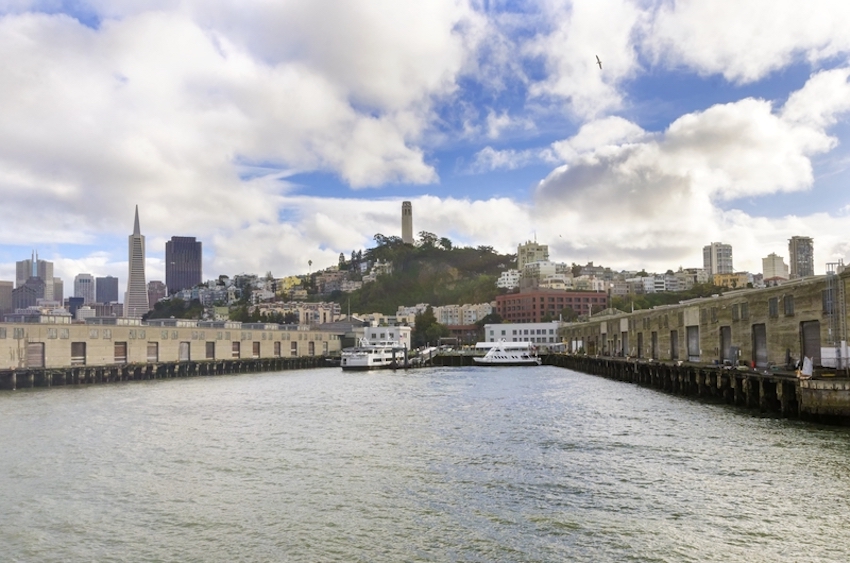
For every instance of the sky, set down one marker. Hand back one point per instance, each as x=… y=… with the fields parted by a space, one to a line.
x=283 y=133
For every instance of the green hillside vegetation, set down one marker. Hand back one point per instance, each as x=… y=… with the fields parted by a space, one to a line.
x=432 y=271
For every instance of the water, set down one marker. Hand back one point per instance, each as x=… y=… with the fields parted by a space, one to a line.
x=457 y=464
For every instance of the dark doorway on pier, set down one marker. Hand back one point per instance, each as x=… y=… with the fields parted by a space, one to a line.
x=810 y=335
x=760 y=345
x=674 y=344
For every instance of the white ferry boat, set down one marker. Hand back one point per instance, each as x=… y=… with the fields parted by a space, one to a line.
x=508 y=354
x=372 y=355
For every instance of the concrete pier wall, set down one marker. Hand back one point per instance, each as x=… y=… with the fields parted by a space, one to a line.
x=25 y=378
x=779 y=393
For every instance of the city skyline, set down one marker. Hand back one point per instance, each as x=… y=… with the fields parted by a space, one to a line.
x=492 y=119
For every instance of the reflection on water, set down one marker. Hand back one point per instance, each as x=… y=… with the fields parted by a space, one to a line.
x=456 y=464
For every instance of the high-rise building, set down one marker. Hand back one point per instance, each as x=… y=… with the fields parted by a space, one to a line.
x=774 y=269
x=136 y=298
x=156 y=291
x=717 y=258
x=407 y=222
x=183 y=263
x=84 y=287
x=58 y=290
x=26 y=269
x=6 y=288
x=531 y=252
x=106 y=289
x=801 y=252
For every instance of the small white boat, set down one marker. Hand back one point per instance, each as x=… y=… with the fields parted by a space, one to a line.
x=372 y=355
x=508 y=354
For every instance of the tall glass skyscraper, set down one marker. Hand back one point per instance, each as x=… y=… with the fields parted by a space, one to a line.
x=136 y=298
x=183 y=263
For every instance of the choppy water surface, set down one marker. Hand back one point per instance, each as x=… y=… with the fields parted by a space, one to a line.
x=460 y=464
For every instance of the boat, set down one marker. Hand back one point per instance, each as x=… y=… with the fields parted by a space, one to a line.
x=508 y=354
x=367 y=355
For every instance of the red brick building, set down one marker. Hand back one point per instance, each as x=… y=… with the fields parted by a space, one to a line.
x=532 y=306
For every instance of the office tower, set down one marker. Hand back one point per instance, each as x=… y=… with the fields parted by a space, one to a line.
x=774 y=268
x=6 y=288
x=84 y=287
x=717 y=258
x=58 y=290
x=531 y=252
x=802 y=257
x=136 y=298
x=183 y=263
x=406 y=222
x=156 y=291
x=106 y=289
x=26 y=269
x=28 y=294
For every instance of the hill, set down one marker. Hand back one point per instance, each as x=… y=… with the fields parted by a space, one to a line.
x=432 y=271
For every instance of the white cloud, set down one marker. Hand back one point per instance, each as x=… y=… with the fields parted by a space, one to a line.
x=745 y=41
x=488 y=159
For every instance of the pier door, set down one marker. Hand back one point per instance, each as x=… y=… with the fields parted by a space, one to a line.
x=810 y=335
x=35 y=355
x=640 y=345
x=760 y=345
x=693 y=343
x=726 y=345
x=674 y=344
x=653 y=352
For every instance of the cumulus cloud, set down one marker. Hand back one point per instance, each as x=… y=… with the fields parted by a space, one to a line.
x=745 y=41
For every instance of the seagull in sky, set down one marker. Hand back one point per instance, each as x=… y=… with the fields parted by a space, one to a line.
x=598 y=62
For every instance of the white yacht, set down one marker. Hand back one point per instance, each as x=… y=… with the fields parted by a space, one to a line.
x=508 y=354
x=372 y=355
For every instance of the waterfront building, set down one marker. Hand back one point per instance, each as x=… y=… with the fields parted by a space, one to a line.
x=774 y=269
x=407 y=222
x=106 y=289
x=531 y=252
x=539 y=333
x=533 y=306
x=717 y=258
x=84 y=287
x=801 y=254
x=156 y=291
x=183 y=263
x=136 y=301
x=42 y=269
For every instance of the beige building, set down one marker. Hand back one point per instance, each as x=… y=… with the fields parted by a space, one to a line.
x=531 y=252
x=128 y=341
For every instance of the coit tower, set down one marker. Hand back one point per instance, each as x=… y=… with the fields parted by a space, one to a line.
x=136 y=299
x=406 y=222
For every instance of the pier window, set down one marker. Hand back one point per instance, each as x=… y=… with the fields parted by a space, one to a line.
x=78 y=353
x=736 y=315
x=120 y=352
x=152 y=354
x=184 y=352
x=293 y=349
x=209 y=350
x=277 y=349
x=234 y=349
x=3 y=333
x=773 y=307
x=255 y=350
x=745 y=311
x=788 y=302
x=311 y=348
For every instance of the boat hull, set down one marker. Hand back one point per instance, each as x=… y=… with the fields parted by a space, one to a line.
x=479 y=362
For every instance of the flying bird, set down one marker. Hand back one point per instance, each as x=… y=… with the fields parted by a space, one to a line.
x=598 y=62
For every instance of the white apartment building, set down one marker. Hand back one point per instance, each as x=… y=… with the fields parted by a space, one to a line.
x=454 y=315
x=531 y=252
x=773 y=268
x=509 y=279
x=717 y=258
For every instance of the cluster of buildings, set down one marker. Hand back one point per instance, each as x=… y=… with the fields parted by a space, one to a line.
x=37 y=292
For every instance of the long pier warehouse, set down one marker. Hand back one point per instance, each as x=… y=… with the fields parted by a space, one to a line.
x=744 y=346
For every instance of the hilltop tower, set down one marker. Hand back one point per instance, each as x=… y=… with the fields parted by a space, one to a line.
x=406 y=222
x=136 y=298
